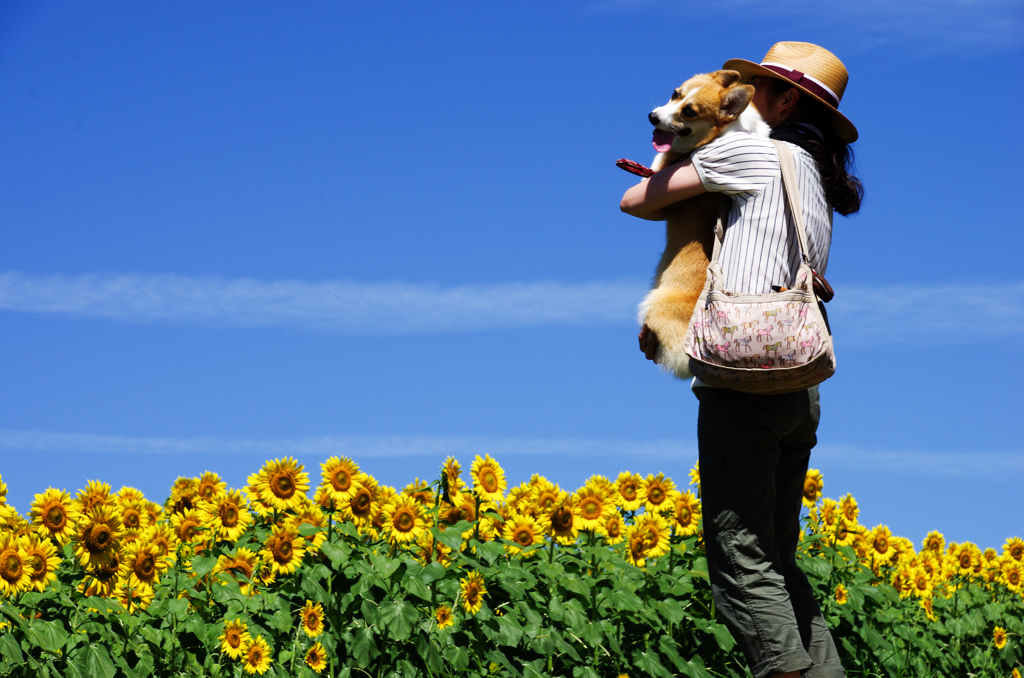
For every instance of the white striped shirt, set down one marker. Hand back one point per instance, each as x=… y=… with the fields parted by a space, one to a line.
x=760 y=248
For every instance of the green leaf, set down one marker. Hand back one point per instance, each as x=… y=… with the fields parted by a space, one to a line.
x=457 y=656
x=50 y=636
x=648 y=663
x=509 y=631
x=203 y=565
x=671 y=609
x=95 y=659
x=499 y=658
x=364 y=647
x=535 y=669
x=574 y=584
x=399 y=616
x=10 y=650
x=429 y=653
x=451 y=536
x=584 y=672
x=415 y=586
x=336 y=554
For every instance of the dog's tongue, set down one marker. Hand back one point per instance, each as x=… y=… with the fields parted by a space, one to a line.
x=662 y=140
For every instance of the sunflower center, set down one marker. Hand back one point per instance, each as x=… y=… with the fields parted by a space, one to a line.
x=404 y=521
x=562 y=520
x=489 y=481
x=656 y=495
x=341 y=480
x=592 y=509
x=98 y=538
x=255 y=656
x=1017 y=552
x=361 y=503
x=1013 y=577
x=472 y=596
x=683 y=515
x=283 y=485
x=240 y=567
x=132 y=520
x=523 y=536
x=283 y=550
x=55 y=518
x=38 y=566
x=965 y=560
x=188 y=528
x=229 y=515
x=12 y=567
x=881 y=544
x=145 y=565
x=628 y=492
x=613 y=528
x=234 y=638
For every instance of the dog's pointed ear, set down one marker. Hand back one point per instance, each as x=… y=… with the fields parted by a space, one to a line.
x=726 y=78
x=734 y=101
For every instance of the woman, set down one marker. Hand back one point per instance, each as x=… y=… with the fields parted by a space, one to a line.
x=754 y=449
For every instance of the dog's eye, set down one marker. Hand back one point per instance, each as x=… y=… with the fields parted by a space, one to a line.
x=675 y=96
x=689 y=112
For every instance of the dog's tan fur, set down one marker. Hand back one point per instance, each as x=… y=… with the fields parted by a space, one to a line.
x=700 y=110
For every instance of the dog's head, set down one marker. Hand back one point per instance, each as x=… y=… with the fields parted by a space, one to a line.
x=698 y=111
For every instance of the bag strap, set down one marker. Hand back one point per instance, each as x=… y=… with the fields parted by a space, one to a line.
x=792 y=190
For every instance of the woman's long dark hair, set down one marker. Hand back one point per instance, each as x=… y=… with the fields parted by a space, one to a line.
x=834 y=157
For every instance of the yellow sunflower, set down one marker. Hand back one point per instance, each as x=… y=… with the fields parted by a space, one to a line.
x=451 y=472
x=473 y=592
x=602 y=485
x=695 y=475
x=464 y=508
x=241 y=567
x=841 y=595
x=403 y=520
x=934 y=543
x=593 y=507
x=848 y=507
x=42 y=559
x=96 y=535
x=420 y=491
x=129 y=494
x=1014 y=548
x=926 y=605
x=829 y=515
x=284 y=549
x=311 y=515
x=142 y=565
x=15 y=567
x=54 y=515
x=968 y=559
x=488 y=479
x=227 y=514
x=660 y=493
x=188 y=526
x=258 y=656
x=563 y=521
x=519 y=498
x=630 y=488
x=813 y=485
x=613 y=528
x=339 y=475
x=209 y=486
x=134 y=515
x=101 y=580
x=235 y=640
x=316 y=657
x=361 y=508
x=183 y=495
x=636 y=545
x=1015 y=673
x=687 y=513
x=1012 y=574
x=921 y=583
x=94 y=494
x=164 y=538
x=656 y=531
x=443 y=617
x=524 y=531
x=312 y=619
x=999 y=637
x=881 y=544
x=282 y=484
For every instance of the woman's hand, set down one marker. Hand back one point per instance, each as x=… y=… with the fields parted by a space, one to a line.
x=648 y=343
x=649 y=198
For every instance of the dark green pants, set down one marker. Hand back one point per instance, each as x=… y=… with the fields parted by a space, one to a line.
x=754 y=451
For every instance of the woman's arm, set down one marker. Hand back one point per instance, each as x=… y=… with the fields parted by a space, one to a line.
x=649 y=198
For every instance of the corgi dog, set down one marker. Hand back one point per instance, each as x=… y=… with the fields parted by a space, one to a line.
x=703 y=108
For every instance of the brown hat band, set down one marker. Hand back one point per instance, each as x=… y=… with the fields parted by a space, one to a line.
x=811 y=84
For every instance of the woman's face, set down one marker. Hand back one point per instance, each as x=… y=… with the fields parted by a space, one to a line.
x=774 y=110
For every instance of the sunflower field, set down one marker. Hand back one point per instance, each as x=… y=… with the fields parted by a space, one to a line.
x=449 y=578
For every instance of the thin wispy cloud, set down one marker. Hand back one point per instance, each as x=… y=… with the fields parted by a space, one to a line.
x=951 y=464
x=338 y=305
x=926 y=313
x=928 y=26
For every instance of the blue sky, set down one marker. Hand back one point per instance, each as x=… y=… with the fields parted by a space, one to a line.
x=238 y=231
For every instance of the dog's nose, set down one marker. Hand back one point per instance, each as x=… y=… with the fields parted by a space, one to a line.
x=653 y=118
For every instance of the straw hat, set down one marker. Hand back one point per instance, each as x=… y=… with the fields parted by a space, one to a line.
x=813 y=70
